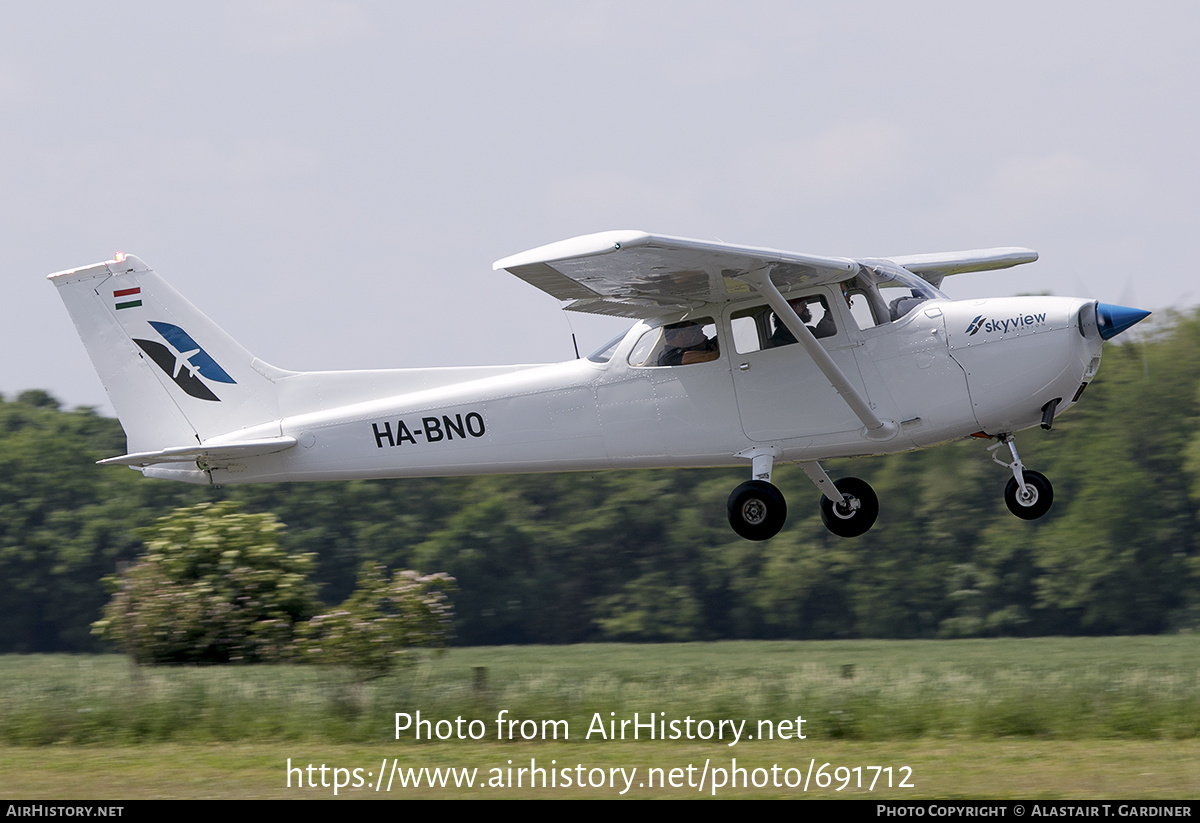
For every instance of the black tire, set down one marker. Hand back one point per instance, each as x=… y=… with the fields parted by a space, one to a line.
x=1038 y=500
x=757 y=510
x=859 y=516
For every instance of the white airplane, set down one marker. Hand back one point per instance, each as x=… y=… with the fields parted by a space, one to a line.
x=740 y=356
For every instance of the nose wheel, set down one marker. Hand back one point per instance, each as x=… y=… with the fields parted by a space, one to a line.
x=1028 y=494
x=1034 y=500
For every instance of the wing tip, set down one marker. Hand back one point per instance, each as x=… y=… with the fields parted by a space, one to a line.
x=958 y=262
x=584 y=245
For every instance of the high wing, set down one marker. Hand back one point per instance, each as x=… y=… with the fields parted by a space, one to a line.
x=635 y=274
x=935 y=267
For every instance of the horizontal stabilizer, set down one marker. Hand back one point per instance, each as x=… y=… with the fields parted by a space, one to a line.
x=205 y=455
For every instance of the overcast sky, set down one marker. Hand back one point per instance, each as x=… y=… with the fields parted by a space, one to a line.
x=331 y=181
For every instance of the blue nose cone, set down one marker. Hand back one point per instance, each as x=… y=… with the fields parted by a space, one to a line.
x=1112 y=320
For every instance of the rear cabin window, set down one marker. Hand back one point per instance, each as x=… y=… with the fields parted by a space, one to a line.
x=758 y=327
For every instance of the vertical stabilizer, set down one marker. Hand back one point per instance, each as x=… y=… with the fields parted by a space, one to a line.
x=173 y=376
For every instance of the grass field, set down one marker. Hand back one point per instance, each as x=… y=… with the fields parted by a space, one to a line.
x=1046 y=717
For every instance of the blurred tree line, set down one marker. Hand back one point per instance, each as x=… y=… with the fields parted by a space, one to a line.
x=649 y=556
x=215 y=586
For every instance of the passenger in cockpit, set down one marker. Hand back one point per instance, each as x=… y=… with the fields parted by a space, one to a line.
x=782 y=335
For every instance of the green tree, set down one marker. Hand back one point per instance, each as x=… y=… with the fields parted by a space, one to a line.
x=213 y=587
x=387 y=617
x=65 y=522
x=489 y=550
x=650 y=608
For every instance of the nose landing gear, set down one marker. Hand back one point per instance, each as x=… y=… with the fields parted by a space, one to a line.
x=1028 y=494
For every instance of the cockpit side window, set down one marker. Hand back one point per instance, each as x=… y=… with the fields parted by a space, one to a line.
x=677 y=344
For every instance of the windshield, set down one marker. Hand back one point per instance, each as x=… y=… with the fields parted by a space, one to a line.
x=605 y=352
x=893 y=276
x=897 y=290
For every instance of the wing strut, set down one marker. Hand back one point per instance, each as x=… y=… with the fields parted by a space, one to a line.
x=875 y=429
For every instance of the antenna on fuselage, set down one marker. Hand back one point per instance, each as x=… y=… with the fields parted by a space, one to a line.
x=571 y=327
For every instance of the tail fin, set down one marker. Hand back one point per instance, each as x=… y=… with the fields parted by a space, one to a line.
x=173 y=376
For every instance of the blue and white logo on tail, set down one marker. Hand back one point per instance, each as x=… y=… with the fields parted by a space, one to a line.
x=184 y=360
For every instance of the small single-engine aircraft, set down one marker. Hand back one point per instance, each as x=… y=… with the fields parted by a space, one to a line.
x=740 y=356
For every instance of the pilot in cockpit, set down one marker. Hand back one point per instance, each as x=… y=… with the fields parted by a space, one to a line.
x=687 y=343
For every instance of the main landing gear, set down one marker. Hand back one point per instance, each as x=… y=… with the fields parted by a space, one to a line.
x=856 y=512
x=757 y=509
x=1028 y=494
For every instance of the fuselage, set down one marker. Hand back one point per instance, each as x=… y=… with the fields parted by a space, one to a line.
x=940 y=369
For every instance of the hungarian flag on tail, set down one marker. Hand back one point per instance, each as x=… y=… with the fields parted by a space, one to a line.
x=128 y=298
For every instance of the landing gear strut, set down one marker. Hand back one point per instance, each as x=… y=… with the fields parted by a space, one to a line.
x=848 y=507
x=1028 y=494
x=757 y=509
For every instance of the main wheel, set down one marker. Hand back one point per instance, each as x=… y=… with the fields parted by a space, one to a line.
x=857 y=515
x=1034 y=501
x=757 y=510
